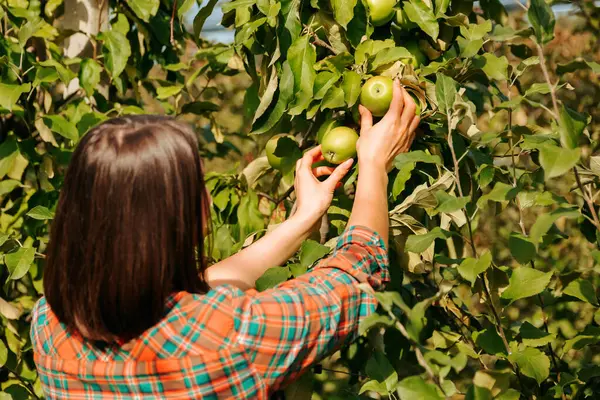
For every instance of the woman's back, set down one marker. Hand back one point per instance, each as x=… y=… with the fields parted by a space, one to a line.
x=225 y=344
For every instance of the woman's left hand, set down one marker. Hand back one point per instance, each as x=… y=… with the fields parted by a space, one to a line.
x=312 y=196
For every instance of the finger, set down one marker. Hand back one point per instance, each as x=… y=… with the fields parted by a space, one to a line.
x=408 y=113
x=411 y=133
x=338 y=174
x=322 y=171
x=313 y=155
x=366 y=119
x=298 y=164
x=397 y=104
x=413 y=126
x=308 y=159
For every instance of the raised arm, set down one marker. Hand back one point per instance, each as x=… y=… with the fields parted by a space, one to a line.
x=275 y=248
x=288 y=328
x=377 y=147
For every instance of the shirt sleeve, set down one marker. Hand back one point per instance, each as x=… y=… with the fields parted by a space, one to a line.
x=286 y=329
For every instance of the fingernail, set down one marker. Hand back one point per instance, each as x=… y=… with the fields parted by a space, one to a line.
x=349 y=162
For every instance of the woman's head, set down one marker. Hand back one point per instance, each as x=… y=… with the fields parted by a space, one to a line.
x=128 y=229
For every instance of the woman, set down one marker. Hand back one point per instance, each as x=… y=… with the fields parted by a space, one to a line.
x=132 y=311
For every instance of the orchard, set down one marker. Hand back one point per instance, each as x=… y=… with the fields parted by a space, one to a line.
x=495 y=234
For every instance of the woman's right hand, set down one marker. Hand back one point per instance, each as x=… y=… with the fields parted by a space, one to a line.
x=379 y=144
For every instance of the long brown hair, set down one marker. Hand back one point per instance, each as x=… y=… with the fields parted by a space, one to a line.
x=129 y=227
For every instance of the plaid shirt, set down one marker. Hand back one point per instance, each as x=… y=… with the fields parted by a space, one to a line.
x=224 y=344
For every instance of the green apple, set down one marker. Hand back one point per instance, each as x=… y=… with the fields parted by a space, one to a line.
x=381 y=11
x=325 y=128
x=274 y=161
x=339 y=145
x=376 y=95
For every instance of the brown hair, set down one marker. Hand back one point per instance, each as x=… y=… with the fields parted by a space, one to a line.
x=129 y=227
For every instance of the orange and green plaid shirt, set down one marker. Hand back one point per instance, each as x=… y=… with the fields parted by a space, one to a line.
x=224 y=344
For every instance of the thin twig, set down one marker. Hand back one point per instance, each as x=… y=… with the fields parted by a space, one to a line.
x=587 y=199
x=172 y=23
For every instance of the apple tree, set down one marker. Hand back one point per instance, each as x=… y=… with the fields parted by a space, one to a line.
x=493 y=213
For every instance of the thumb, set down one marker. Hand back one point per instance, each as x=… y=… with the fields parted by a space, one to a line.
x=366 y=119
x=337 y=174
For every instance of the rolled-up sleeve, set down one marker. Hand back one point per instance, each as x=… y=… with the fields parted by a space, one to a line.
x=286 y=329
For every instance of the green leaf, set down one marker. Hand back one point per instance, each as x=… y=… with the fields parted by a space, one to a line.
x=544 y=222
x=526 y=282
x=3 y=354
x=534 y=337
x=485 y=175
x=478 y=393
x=589 y=336
x=202 y=16
x=164 y=92
x=557 y=161
x=469 y=48
x=65 y=74
x=582 y=289
x=301 y=58
x=542 y=19
x=490 y=341
x=249 y=217
x=89 y=75
x=233 y=5
x=8 y=185
x=422 y=15
x=388 y=56
x=448 y=203
x=286 y=92
x=45 y=75
x=3 y=238
x=272 y=277
x=267 y=95
x=470 y=268
x=379 y=368
x=58 y=124
x=576 y=65
x=521 y=248
x=9 y=94
x=494 y=67
x=572 y=124
x=343 y=11
x=374 y=320
x=352 y=87
x=501 y=192
x=9 y=152
x=420 y=243
x=118 y=51
x=416 y=156
x=533 y=363
x=297 y=270
x=312 y=251
x=40 y=213
x=370 y=48
x=19 y=262
x=403 y=176
x=415 y=388
x=445 y=93
x=144 y=9
x=334 y=98
x=374 y=386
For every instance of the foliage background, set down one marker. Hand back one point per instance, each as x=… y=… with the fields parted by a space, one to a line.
x=495 y=245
